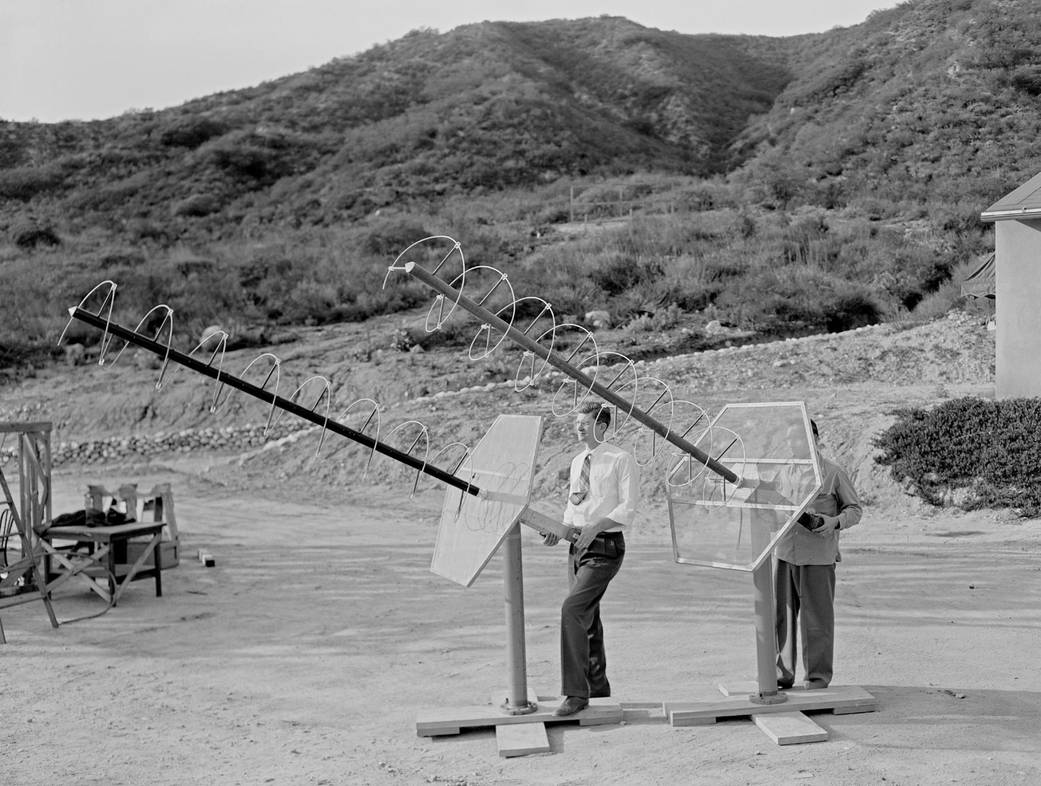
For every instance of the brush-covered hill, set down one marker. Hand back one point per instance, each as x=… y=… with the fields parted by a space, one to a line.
x=781 y=185
x=929 y=104
x=487 y=106
x=934 y=99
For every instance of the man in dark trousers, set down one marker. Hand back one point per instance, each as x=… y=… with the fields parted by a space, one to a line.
x=601 y=503
x=804 y=579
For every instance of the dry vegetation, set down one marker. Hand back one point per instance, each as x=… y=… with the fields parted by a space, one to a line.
x=786 y=186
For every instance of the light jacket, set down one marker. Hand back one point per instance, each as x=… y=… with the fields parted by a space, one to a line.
x=837 y=499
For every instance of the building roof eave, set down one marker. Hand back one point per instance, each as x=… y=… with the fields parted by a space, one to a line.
x=1022 y=203
x=1004 y=215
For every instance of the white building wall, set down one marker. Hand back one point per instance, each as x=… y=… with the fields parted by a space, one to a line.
x=1018 y=299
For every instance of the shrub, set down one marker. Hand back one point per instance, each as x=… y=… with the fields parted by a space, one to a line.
x=391 y=237
x=309 y=302
x=146 y=229
x=619 y=274
x=988 y=449
x=121 y=259
x=32 y=236
x=1027 y=79
x=257 y=159
x=196 y=206
x=402 y=340
x=664 y=319
x=26 y=182
x=846 y=312
x=457 y=331
x=190 y=132
x=249 y=162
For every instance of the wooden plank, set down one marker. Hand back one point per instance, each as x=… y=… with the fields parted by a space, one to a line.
x=853 y=708
x=790 y=728
x=599 y=713
x=106 y=533
x=694 y=698
x=694 y=720
x=840 y=699
x=543 y=523
x=451 y=720
x=441 y=730
x=521 y=739
x=751 y=688
x=739 y=688
x=15 y=427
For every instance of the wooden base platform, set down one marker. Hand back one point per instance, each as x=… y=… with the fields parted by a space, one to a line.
x=516 y=735
x=785 y=723
x=790 y=728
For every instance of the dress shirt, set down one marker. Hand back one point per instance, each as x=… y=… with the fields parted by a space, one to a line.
x=614 y=485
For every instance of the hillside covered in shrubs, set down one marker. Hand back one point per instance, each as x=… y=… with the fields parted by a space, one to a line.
x=783 y=186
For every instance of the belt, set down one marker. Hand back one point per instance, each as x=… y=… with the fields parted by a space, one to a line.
x=607 y=544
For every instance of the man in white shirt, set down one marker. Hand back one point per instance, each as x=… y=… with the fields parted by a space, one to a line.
x=602 y=502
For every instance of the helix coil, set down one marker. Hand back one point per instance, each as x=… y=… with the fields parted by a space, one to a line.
x=576 y=345
x=315 y=394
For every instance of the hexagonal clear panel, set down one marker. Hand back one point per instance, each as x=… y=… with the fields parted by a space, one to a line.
x=720 y=525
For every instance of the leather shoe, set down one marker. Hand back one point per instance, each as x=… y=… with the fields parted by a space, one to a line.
x=570 y=706
x=783 y=685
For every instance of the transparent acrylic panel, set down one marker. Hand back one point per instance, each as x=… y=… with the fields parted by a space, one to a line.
x=472 y=528
x=716 y=523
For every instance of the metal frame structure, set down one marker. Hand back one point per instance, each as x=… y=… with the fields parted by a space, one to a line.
x=24 y=580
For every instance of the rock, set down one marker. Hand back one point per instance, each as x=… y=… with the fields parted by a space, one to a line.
x=211 y=330
x=74 y=354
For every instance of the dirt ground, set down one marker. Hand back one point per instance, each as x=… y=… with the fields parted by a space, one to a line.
x=306 y=653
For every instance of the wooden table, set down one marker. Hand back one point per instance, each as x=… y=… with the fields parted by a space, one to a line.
x=97 y=566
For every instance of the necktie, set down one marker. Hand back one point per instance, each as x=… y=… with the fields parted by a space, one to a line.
x=580 y=493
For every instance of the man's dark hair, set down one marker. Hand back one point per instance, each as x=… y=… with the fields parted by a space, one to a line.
x=602 y=413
